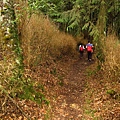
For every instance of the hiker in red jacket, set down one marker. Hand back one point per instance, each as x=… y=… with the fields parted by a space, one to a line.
x=81 y=50
x=89 y=48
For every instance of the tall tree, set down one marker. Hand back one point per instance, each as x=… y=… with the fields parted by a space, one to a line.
x=75 y=16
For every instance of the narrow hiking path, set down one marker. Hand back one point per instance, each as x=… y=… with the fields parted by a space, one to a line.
x=69 y=102
x=83 y=95
x=71 y=92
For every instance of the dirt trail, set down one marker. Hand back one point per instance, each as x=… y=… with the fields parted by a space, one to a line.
x=68 y=105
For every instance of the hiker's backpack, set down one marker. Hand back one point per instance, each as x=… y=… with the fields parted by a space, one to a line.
x=89 y=48
x=81 y=48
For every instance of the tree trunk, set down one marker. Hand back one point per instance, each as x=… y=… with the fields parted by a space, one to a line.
x=101 y=27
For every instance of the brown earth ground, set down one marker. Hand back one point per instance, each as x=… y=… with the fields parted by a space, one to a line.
x=74 y=90
x=69 y=102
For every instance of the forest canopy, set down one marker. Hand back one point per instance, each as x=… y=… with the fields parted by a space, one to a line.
x=76 y=16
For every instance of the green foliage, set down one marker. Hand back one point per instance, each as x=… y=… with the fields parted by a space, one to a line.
x=11 y=22
x=90 y=112
x=25 y=89
x=33 y=93
x=91 y=72
x=49 y=7
x=113 y=16
x=95 y=27
x=72 y=15
x=113 y=94
x=13 y=78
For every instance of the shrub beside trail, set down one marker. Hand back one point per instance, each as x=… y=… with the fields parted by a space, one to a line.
x=112 y=58
x=41 y=40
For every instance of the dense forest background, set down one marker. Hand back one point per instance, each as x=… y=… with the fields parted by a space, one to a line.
x=36 y=34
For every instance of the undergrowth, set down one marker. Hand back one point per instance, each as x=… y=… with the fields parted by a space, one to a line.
x=111 y=66
x=41 y=44
x=102 y=87
x=42 y=41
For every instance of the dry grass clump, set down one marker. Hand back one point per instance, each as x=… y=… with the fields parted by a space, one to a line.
x=41 y=39
x=112 y=57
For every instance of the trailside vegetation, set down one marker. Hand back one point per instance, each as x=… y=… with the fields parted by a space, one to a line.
x=93 y=18
x=74 y=16
x=28 y=41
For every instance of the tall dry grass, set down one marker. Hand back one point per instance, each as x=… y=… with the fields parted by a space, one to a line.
x=41 y=40
x=112 y=57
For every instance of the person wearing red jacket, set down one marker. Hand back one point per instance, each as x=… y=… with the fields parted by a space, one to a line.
x=89 y=48
x=81 y=50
